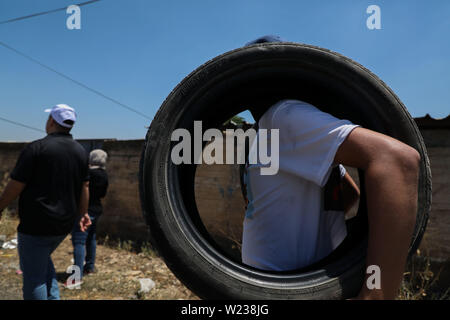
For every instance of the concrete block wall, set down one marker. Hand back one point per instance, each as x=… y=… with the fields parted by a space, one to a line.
x=218 y=193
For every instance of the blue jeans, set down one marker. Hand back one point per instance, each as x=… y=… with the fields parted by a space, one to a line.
x=39 y=276
x=84 y=245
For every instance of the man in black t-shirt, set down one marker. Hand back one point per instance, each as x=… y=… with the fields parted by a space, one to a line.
x=52 y=178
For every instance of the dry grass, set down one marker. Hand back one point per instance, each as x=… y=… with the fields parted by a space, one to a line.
x=119 y=269
x=422 y=282
x=7 y=223
x=119 y=265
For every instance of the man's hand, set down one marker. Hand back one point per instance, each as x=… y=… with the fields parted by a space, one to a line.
x=340 y=193
x=333 y=199
x=350 y=192
x=85 y=222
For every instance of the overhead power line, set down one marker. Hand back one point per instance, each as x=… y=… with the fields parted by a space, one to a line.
x=21 y=125
x=74 y=81
x=45 y=12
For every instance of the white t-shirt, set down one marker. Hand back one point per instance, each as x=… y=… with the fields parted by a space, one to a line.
x=285 y=226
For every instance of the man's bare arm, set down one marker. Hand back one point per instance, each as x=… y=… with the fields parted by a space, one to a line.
x=391 y=180
x=11 y=192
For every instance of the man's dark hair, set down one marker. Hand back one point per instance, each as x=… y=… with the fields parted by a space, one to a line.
x=265 y=39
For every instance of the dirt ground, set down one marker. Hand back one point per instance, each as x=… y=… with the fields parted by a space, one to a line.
x=118 y=272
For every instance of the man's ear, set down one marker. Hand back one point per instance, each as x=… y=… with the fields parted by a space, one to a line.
x=51 y=124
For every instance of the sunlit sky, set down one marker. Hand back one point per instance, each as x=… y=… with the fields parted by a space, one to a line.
x=137 y=51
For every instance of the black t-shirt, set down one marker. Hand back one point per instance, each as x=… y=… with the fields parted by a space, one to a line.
x=53 y=169
x=98 y=185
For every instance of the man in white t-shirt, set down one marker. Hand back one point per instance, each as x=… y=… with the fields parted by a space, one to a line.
x=286 y=226
x=290 y=203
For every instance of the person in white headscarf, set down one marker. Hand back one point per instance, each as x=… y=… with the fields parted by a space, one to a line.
x=84 y=243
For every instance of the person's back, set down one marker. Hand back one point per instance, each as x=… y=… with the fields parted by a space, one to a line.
x=98 y=185
x=53 y=169
x=286 y=226
x=84 y=241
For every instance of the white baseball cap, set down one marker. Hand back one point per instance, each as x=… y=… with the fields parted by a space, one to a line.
x=61 y=113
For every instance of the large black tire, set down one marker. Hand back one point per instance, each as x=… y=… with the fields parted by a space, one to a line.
x=263 y=74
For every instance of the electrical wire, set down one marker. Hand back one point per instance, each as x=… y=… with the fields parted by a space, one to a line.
x=45 y=12
x=74 y=81
x=21 y=125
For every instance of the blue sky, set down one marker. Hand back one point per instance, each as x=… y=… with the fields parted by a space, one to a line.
x=136 y=51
